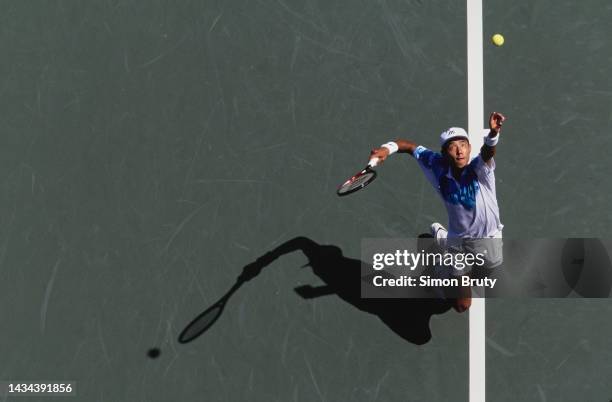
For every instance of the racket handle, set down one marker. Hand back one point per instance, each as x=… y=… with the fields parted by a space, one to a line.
x=373 y=162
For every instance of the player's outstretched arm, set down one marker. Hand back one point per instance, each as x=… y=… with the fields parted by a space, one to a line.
x=496 y=120
x=399 y=145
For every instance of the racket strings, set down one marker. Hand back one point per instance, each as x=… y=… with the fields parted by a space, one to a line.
x=355 y=182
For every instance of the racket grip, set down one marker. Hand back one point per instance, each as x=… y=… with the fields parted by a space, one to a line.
x=373 y=162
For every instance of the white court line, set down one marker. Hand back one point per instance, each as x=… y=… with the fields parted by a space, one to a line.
x=477 y=345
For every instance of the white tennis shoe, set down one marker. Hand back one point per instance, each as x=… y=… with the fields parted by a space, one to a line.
x=439 y=233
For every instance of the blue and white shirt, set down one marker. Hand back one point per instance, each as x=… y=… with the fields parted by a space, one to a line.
x=471 y=202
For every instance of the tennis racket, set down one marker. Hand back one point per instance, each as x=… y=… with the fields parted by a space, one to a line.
x=360 y=180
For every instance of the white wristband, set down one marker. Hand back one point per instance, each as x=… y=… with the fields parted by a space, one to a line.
x=391 y=146
x=491 y=141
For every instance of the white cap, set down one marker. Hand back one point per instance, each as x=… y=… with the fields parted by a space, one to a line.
x=452 y=133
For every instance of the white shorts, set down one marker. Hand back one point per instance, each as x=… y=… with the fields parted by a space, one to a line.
x=489 y=250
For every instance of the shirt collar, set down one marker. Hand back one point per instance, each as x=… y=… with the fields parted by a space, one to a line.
x=449 y=172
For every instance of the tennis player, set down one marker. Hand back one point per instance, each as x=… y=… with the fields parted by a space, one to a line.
x=467 y=188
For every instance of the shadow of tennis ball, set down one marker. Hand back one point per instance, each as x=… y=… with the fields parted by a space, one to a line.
x=153 y=353
x=587 y=267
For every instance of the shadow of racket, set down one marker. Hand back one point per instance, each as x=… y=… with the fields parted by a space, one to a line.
x=206 y=319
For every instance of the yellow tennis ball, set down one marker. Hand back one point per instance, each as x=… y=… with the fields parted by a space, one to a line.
x=498 y=39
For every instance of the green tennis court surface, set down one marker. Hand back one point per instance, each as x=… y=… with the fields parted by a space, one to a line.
x=152 y=151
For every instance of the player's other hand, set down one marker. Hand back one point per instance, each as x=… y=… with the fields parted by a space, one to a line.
x=380 y=153
x=496 y=121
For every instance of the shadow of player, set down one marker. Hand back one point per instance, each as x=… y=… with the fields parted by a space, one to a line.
x=408 y=318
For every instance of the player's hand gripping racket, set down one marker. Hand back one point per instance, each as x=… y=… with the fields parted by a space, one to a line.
x=360 y=180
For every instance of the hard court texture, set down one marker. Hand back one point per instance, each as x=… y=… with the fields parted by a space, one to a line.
x=153 y=151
